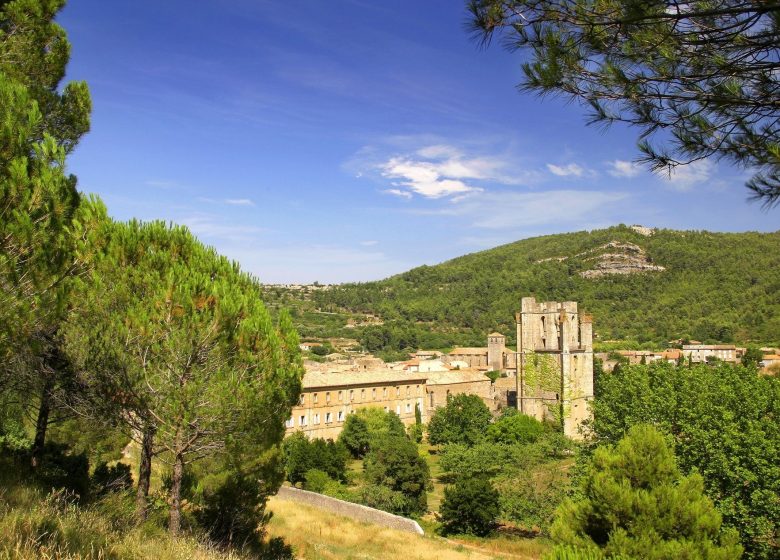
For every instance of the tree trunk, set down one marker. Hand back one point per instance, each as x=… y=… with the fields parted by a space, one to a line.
x=144 y=474
x=178 y=473
x=43 y=420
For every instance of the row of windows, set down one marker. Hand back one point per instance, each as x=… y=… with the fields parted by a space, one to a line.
x=303 y=419
x=315 y=396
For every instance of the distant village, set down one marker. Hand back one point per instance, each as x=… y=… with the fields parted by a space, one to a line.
x=348 y=380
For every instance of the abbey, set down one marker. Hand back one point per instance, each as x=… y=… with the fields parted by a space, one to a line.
x=549 y=376
x=554 y=372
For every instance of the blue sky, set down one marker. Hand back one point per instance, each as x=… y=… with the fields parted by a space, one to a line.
x=351 y=140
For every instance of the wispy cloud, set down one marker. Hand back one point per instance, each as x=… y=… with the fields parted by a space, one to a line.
x=570 y=170
x=369 y=243
x=685 y=177
x=518 y=211
x=239 y=202
x=399 y=193
x=212 y=228
x=623 y=169
x=228 y=201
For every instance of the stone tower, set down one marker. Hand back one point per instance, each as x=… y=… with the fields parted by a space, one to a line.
x=554 y=363
x=496 y=347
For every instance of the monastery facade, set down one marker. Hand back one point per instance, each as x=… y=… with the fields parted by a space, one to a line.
x=553 y=339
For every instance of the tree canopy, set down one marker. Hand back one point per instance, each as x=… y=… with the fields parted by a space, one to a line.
x=464 y=419
x=723 y=422
x=636 y=504
x=699 y=77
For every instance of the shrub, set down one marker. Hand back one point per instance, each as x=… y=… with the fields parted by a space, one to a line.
x=464 y=419
x=395 y=463
x=470 y=506
x=316 y=480
x=515 y=428
x=107 y=479
x=234 y=512
x=59 y=470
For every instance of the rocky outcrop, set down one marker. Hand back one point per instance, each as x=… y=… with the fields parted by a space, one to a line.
x=615 y=257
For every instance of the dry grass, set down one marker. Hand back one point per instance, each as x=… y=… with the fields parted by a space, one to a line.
x=318 y=535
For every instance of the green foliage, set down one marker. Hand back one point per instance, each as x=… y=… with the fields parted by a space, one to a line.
x=644 y=63
x=316 y=480
x=354 y=436
x=60 y=469
x=39 y=124
x=395 y=463
x=368 y=425
x=517 y=428
x=636 y=503
x=464 y=419
x=714 y=283
x=723 y=422
x=301 y=455
x=493 y=375
x=386 y=499
x=470 y=506
x=233 y=512
x=752 y=357
x=115 y=478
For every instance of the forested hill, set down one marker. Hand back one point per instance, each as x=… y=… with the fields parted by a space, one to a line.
x=690 y=284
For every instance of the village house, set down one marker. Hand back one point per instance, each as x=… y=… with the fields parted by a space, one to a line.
x=698 y=353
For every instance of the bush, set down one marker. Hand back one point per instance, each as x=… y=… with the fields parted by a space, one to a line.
x=316 y=480
x=470 y=506
x=382 y=497
x=415 y=432
x=302 y=455
x=107 y=479
x=233 y=513
x=515 y=428
x=59 y=470
x=395 y=463
x=464 y=419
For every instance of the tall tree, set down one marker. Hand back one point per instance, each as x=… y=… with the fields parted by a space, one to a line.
x=636 y=504
x=723 y=423
x=177 y=341
x=39 y=125
x=700 y=75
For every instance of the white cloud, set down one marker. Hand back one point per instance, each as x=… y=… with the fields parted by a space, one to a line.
x=422 y=177
x=623 y=169
x=441 y=170
x=566 y=170
x=369 y=243
x=398 y=192
x=685 y=177
x=239 y=202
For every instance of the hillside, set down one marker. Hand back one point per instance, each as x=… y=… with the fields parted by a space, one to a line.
x=639 y=284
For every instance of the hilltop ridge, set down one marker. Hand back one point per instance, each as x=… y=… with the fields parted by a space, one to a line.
x=640 y=283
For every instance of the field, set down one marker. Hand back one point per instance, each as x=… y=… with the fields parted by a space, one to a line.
x=318 y=535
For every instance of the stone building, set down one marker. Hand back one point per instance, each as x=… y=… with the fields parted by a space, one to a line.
x=328 y=398
x=442 y=385
x=554 y=378
x=698 y=353
x=495 y=356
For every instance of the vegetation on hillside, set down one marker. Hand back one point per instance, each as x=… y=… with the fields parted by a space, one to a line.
x=716 y=287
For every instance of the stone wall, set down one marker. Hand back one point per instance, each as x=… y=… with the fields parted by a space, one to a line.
x=348 y=509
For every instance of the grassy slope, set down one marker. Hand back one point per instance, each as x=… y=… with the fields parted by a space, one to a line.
x=713 y=281
x=318 y=536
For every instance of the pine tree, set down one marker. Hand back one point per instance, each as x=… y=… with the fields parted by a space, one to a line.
x=636 y=504
x=177 y=341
